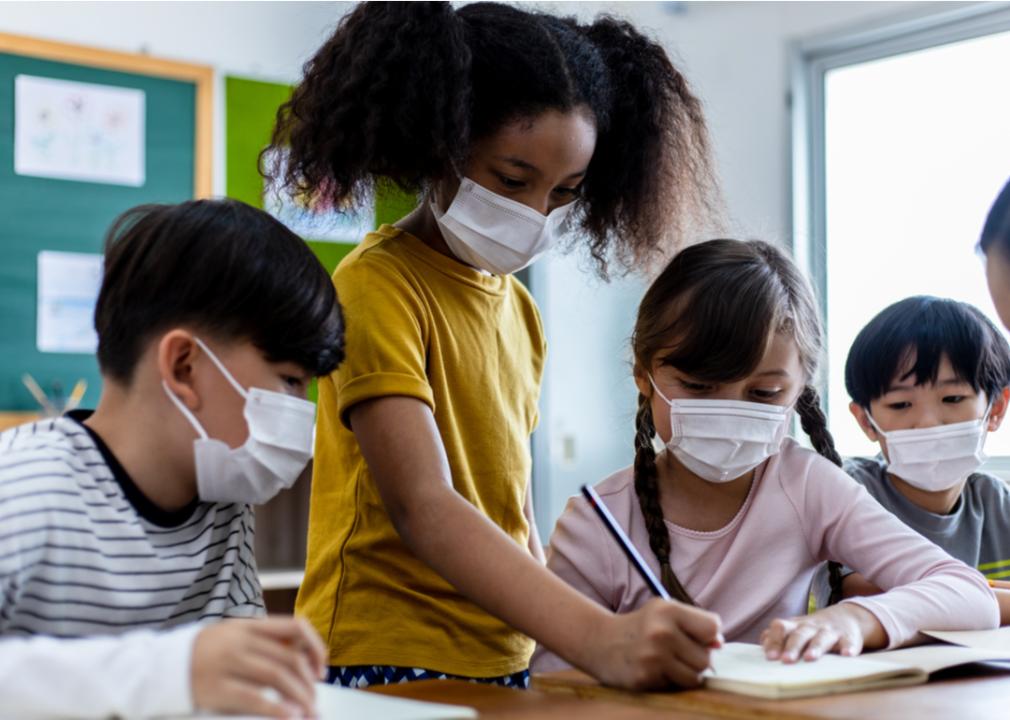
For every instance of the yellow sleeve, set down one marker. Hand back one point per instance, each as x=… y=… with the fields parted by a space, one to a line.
x=385 y=335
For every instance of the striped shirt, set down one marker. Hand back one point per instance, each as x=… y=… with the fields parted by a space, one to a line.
x=83 y=552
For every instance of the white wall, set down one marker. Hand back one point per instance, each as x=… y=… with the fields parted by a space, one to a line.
x=265 y=40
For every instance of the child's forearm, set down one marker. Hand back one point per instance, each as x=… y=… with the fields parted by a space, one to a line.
x=855 y=585
x=139 y=674
x=1003 y=600
x=487 y=566
x=535 y=544
x=401 y=444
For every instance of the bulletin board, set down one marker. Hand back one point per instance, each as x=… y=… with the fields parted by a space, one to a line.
x=250 y=113
x=44 y=213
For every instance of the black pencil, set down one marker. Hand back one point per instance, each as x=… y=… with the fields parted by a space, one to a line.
x=622 y=539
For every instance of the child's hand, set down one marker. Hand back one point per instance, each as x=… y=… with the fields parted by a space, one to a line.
x=662 y=643
x=234 y=661
x=845 y=629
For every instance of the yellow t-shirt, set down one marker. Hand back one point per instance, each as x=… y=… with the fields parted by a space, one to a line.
x=471 y=346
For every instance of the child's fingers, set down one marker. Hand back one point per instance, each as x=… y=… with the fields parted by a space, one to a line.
x=286 y=656
x=850 y=644
x=314 y=646
x=261 y=671
x=689 y=652
x=774 y=638
x=681 y=674
x=825 y=639
x=704 y=626
x=797 y=641
x=243 y=698
x=299 y=633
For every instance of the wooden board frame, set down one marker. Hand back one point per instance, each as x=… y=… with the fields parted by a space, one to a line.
x=202 y=76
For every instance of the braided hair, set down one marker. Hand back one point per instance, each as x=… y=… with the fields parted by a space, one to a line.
x=686 y=321
x=647 y=490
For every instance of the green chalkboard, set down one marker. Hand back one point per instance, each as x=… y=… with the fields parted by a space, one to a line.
x=250 y=112
x=39 y=214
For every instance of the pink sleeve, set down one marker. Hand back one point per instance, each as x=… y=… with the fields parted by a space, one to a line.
x=926 y=589
x=578 y=554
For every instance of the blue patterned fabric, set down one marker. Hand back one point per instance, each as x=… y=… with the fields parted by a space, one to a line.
x=361 y=676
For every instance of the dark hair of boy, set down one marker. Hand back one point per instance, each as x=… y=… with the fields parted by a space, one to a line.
x=402 y=90
x=996 y=230
x=930 y=327
x=224 y=268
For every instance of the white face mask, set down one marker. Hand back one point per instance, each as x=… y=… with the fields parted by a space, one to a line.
x=495 y=233
x=722 y=440
x=278 y=448
x=936 y=458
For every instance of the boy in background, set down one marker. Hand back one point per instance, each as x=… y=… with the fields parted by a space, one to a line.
x=928 y=381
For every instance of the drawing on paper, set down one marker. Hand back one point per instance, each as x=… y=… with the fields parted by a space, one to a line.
x=78 y=131
x=68 y=285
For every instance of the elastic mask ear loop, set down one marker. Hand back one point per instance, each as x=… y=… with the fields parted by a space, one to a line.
x=185 y=412
x=658 y=391
x=874 y=424
x=988 y=412
x=224 y=371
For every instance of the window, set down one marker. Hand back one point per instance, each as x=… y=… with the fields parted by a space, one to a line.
x=903 y=142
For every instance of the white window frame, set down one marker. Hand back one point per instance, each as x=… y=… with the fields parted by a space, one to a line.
x=810 y=60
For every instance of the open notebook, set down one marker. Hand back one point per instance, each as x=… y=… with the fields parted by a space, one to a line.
x=742 y=668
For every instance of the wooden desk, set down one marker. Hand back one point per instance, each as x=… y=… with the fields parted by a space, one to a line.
x=971 y=693
x=10 y=419
x=504 y=704
x=978 y=693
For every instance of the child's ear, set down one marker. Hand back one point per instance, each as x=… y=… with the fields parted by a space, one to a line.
x=859 y=413
x=999 y=407
x=176 y=352
x=642 y=381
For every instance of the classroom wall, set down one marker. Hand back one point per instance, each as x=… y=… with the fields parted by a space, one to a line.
x=264 y=40
x=735 y=54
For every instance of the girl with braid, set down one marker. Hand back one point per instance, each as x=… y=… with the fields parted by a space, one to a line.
x=733 y=516
x=513 y=129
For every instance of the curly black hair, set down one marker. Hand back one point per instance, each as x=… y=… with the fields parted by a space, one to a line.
x=402 y=89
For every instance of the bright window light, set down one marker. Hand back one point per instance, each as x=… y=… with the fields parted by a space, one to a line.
x=917 y=146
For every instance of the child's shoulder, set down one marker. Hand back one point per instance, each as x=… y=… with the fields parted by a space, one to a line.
x=798 y=469
x=989 y=489
x=796 y=461
x=53 y=449
x=381 y=251
x=616 y=490
x=868 y=471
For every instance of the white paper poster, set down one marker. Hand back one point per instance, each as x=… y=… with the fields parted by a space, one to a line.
x=78 y=131
x=315 y=219
x=68 y=286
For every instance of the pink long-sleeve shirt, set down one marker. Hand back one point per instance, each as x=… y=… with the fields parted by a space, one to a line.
x=801 y=510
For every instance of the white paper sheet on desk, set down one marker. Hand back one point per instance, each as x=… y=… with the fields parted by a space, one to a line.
x=998 y=639
x=338 y=703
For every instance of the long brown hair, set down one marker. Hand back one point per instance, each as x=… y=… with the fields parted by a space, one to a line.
x=711 y=313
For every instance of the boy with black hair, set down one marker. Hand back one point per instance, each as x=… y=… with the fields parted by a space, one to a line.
x=928 y=378
x=123 y=530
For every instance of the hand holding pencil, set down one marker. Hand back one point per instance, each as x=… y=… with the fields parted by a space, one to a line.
x=664 y=642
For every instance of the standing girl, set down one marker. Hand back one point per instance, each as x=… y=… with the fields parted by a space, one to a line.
x=514 y=128
x=733 y=516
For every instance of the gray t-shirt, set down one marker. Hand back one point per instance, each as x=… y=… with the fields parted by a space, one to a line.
x=976 y=531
